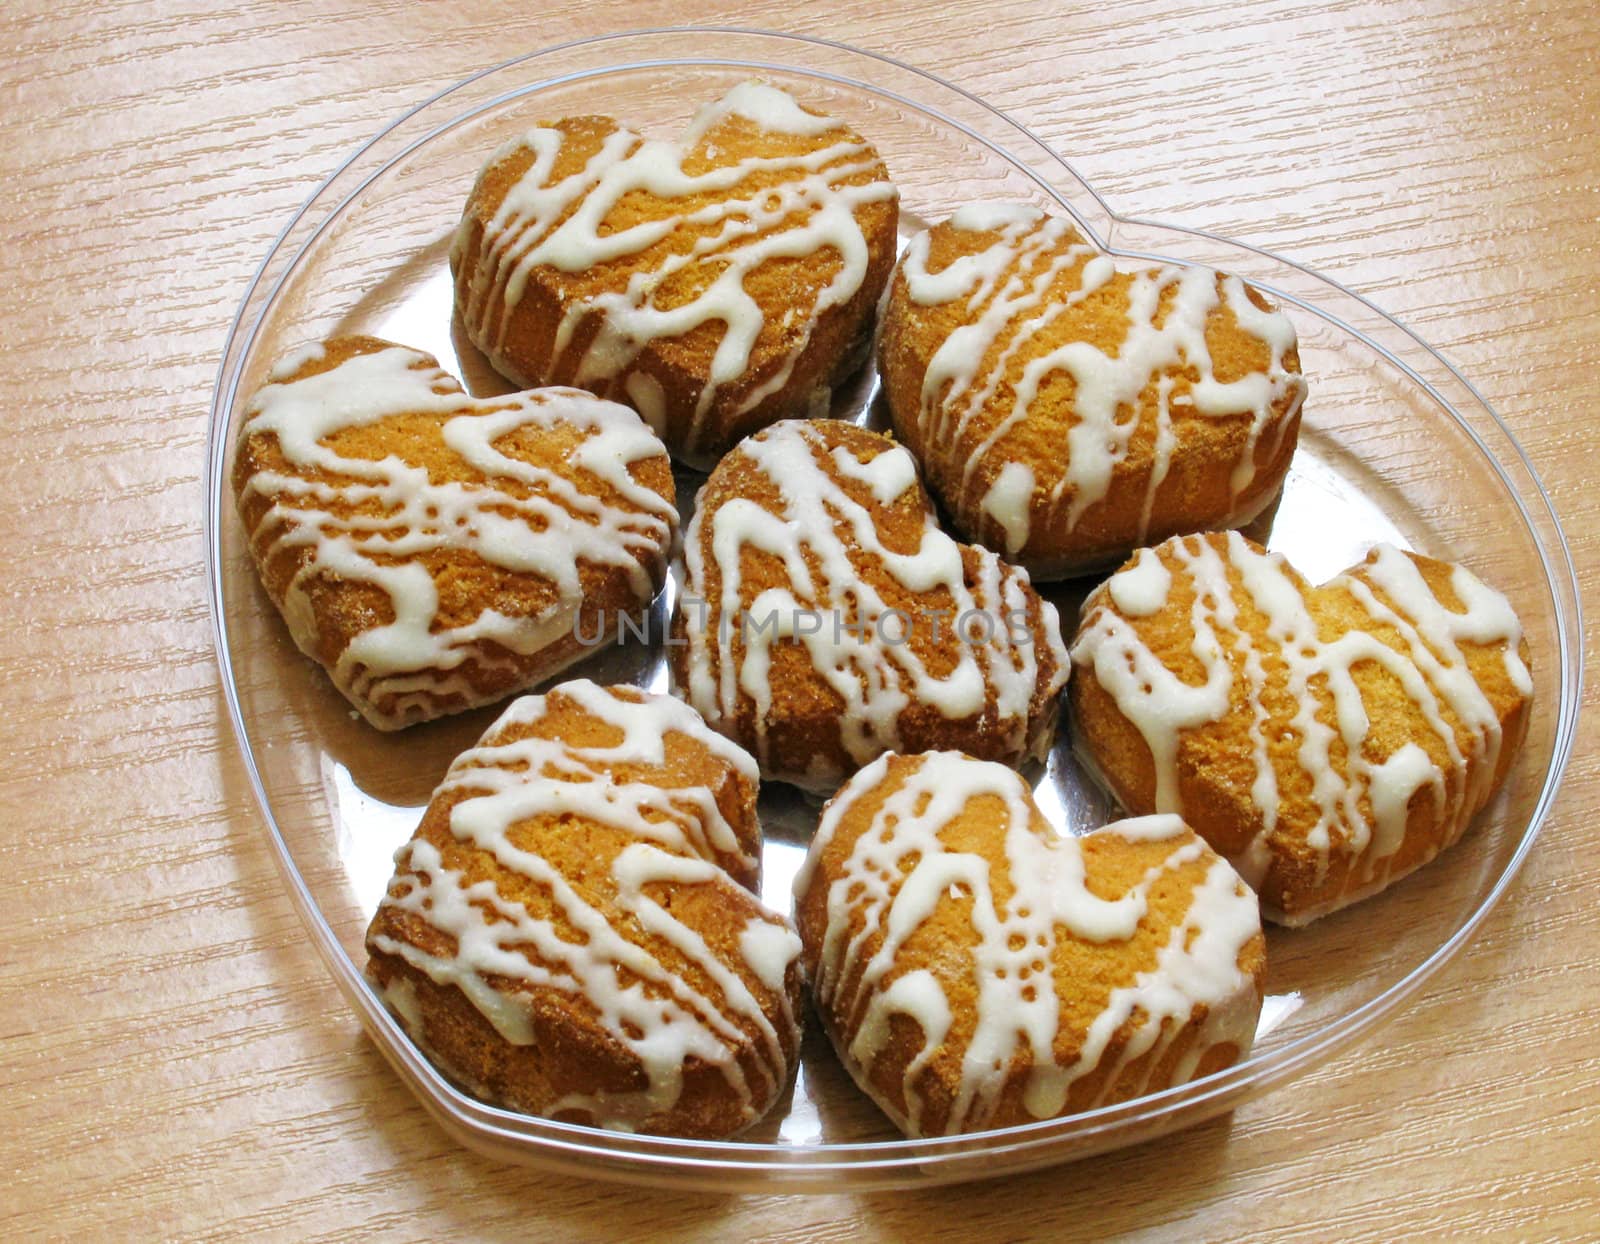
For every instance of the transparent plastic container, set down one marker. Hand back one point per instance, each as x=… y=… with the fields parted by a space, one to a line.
x=1396 y=445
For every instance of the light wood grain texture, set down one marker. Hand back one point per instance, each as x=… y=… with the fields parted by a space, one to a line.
x=174 y=1060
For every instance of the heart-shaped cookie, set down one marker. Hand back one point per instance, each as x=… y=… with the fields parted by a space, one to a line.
x=570 y=933
x=1067 y=412
x=976 y=970
x=716 y=284
x=1327 y=740
x=825 y=619
x=434 y=551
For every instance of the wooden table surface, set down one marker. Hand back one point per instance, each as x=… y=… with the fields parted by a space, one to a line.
x=174 y=1059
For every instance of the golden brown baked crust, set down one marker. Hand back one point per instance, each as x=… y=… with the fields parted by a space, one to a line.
x=717 y=284
x=571 y=931
x=975 y=970
x=1334 y=739
x=433 y=551
x=1065 y=412
x=822 y=527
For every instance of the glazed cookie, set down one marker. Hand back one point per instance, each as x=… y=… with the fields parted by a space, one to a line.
x=1328 y=740
x=434 y=551
x=975 y=969
x=1066 y=412
x=716 y=284
x=572 y=932
x=825 y=618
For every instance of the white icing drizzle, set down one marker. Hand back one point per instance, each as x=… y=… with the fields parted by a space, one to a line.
x=1141 y=589
x=899 y=871
x=1358 y=805
x=566 y=224
x=682 y=838
x=981 y=217
x=1008 y=502
x=1008 y=305
x=823 y=536
x=372 y=520
x=765 y=107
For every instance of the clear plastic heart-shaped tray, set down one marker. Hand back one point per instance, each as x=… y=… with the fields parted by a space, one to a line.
x=1395 y=446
